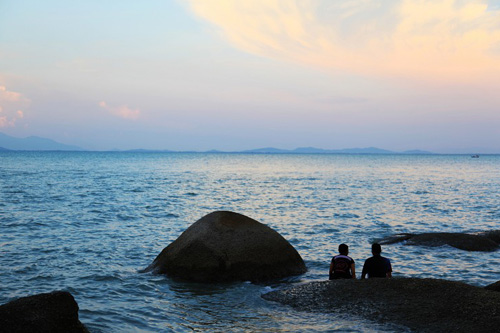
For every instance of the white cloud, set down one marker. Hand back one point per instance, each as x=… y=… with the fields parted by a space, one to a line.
x=122 y=111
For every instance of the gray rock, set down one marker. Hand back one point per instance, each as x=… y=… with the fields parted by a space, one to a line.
x=226 y=246
x=423 y=305
x=51 y=312
x=494 y=286
x=486 y=241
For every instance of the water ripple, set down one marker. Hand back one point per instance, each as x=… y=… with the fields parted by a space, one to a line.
x=88 y=222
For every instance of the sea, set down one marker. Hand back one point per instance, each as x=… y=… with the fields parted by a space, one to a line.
x=89 y=222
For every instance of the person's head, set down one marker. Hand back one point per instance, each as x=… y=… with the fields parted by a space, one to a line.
x=376 y=249
x=343 y=249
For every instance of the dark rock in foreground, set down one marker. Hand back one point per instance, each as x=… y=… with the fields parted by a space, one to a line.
x=494 y=286
x=51 y=312
x=226 y=246
x=486 y=241
x=424 y=305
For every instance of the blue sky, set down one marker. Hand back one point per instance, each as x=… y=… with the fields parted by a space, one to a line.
x=231 y=75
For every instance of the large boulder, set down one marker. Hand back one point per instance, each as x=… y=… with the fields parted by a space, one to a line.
x=51 y=312
x=485 y=241
x=225 y=246
x=423 y=305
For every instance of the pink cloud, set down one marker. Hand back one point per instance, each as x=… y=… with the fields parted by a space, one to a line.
x=10 y=104
x=122 y=111
x=7 y=122
x=10 y=96
x=439 y=39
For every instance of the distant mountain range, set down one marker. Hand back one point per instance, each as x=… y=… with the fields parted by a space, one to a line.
x=312 y=150
x=34 y=143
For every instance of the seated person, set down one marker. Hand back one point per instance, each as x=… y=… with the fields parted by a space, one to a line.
x=377 y=266
x=342 y=266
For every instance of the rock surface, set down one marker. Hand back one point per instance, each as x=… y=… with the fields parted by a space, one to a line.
x=494 y=286
x=225 y=246
x=494 y=235
x=424 y=305
x=50 y=312
x=485 y=241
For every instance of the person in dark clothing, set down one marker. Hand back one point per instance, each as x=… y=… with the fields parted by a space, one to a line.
x=377 y=266
x=342 y=266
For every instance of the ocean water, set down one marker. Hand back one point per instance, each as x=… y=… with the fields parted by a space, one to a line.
x=87 y=222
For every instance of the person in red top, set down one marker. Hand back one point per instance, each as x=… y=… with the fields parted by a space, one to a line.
x=342 y=266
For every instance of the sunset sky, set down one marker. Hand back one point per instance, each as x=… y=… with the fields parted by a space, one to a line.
x=235 y=74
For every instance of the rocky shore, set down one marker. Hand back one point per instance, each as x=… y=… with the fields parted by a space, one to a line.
x=423 y=305
x=225 y=246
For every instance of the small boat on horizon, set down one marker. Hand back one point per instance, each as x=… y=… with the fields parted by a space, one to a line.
x=475 y=156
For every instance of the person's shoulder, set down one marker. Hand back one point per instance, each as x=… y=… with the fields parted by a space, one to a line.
x=341 y=256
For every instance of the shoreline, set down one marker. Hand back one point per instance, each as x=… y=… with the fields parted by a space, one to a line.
x=425 y=305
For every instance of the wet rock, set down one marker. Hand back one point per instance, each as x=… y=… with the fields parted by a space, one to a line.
x=494 y=235
x=423 y=305
x=486 y=241
x=397 y=238
x=226 y=246
x=51 y=312
x=494 y=286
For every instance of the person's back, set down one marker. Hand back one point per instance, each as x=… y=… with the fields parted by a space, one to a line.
x=342 y=266
x=377 y=266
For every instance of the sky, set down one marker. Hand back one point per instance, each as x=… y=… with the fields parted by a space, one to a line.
x=235 y=75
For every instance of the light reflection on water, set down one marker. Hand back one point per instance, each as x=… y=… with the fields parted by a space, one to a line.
x=87 y=222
